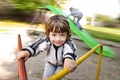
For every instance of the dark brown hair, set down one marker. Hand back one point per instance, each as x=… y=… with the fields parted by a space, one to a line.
x=58 y=24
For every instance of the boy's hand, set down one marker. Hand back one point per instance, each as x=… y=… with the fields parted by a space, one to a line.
x=70 y=64
x=23 y=54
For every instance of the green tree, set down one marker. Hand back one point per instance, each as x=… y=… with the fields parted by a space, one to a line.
x=31 y=5
x=102 y=18
x=107 y=20
x=118 y=18
x=88 y=19
x=24 y=10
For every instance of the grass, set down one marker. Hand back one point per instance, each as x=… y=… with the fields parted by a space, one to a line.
x=111 y=34
x=3 y=30
x=12 y=24
x=8 y=23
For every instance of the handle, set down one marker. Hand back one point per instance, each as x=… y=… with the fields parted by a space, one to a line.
x=21 y=63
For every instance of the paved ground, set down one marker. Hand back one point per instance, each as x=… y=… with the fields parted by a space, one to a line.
x=35 y=66
x=8 y=48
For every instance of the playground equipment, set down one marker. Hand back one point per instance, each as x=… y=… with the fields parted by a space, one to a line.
x=63 y=72
x=21 y=63
x=82 y=34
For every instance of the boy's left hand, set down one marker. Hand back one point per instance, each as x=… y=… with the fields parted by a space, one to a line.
x=70 y=64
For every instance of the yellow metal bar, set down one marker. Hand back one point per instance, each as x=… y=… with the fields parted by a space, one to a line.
x=99 y=63
x=65 y=71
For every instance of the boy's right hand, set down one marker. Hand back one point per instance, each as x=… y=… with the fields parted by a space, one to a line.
x=70 y=64
x=23 y=54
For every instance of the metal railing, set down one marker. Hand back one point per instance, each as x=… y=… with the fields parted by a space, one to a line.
x=21 y=63
x=65 y=71
x=57 y=76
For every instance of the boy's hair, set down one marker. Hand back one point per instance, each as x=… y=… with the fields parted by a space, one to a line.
x=58 y=24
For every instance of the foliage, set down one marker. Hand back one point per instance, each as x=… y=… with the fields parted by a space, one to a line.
x=111 y=22
x=105 y=20
x=118 y=19
x=35 y=33
x=32 y=5
x=102 y=18
x=88 y=19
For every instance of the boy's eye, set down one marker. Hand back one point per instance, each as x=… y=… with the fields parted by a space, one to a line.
x=62 y=34
x=53 y=34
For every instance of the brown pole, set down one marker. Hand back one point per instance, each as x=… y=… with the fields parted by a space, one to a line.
x=21 y=63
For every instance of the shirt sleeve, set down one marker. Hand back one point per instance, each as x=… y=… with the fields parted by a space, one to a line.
x=69 y=50
x=33 y=48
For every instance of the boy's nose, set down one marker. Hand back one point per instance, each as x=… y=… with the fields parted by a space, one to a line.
x=58 y=38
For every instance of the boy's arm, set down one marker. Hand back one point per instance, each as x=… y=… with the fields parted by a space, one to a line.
x=33 y=48
x=70 y=50
x=69 y=56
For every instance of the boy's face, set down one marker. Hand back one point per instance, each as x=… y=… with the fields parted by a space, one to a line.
x=57 y=38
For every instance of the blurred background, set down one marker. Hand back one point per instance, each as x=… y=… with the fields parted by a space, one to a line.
x=101 y=19
x=96 y=12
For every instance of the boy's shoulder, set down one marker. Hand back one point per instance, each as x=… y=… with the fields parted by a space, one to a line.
x=42 y=39
x=70 y=42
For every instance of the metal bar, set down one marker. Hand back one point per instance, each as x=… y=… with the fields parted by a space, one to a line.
x=99 y=63
x=65 y=71
x=21 y=63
